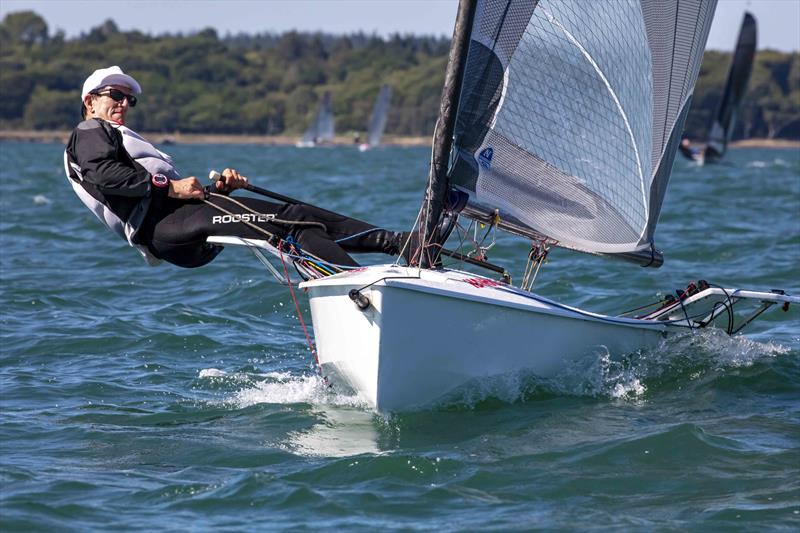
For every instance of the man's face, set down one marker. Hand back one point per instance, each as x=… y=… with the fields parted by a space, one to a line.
x=103 y=106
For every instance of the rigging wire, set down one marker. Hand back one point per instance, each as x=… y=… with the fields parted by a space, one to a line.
x=316 y=263
x=300 y=316
x=536 y=258
x=667 y=300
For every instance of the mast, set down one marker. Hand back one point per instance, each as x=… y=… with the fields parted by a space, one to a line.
x=436 y=191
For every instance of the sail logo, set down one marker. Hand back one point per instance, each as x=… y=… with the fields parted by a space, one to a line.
x=244 y=217
x=485 y=157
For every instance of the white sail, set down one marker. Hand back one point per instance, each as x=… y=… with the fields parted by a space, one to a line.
x=326 y=123
x=380 y=113
x=570 y=113
x=321 y=129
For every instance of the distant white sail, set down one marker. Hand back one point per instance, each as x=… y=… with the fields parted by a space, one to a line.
x=380 y=112
x=321 y=128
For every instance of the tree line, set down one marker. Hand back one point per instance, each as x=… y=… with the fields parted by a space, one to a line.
x=272 y=83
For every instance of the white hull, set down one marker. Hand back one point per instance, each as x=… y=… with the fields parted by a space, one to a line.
x=426 y=333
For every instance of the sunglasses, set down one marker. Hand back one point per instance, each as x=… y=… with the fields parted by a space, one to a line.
x=119 y=96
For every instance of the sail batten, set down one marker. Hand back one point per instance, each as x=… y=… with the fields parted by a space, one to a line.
x=568 y=114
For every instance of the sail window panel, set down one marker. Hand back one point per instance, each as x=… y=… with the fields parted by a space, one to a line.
x=563 y=126
x=573 y=214
x=499 y=25
x=558 y=107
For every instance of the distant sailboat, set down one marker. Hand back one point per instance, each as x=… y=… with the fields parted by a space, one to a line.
x=724 y=119
x=377 y=122
x=321 y=130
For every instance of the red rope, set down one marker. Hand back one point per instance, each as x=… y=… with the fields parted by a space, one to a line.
x=297 y=308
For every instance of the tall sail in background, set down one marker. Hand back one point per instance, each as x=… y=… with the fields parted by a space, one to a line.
x=325 y=118
x=377 y=122
x=570 y=113
x=735 y=86
x=321 y=129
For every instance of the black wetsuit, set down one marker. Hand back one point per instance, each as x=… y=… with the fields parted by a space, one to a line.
x=177 y=230
x=118 y=189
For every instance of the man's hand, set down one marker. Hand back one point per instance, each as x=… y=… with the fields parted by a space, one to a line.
x=230 y=180
x=186 y=189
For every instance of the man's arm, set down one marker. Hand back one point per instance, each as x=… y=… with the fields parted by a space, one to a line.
x=98 y=150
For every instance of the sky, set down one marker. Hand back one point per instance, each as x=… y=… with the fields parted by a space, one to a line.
x=778 y=20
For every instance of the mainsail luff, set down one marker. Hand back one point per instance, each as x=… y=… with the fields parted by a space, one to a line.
x=438 y=184
x=569 y=117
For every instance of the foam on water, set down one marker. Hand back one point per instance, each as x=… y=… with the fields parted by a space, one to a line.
x=282 y=388
x=599 y=375
x=625 y=376
x=212 y=373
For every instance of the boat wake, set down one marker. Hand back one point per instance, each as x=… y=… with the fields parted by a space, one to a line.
x=343 y=424
x=699 y=357
x=776 y=162
x=278 y=388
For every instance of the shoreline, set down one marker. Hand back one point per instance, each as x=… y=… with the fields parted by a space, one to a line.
x=61 y=136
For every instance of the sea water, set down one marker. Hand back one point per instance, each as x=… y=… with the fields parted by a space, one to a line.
x=141 y=398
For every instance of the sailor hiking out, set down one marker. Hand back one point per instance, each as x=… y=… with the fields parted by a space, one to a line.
x=135 y=189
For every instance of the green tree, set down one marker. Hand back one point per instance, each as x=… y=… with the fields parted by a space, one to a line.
x=24 y=27
x=270 y=83
x=48 y=109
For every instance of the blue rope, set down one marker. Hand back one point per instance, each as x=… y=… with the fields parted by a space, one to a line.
x=680 y=301
x=358 y=235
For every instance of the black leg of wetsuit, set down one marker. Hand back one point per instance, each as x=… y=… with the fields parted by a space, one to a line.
x=341 y=234
x=178 y=230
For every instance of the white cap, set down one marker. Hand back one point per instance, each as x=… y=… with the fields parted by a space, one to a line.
x=109 y=76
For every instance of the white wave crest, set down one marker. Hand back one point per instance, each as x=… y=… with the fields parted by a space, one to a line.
x=286 y=388
x=212 y=373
